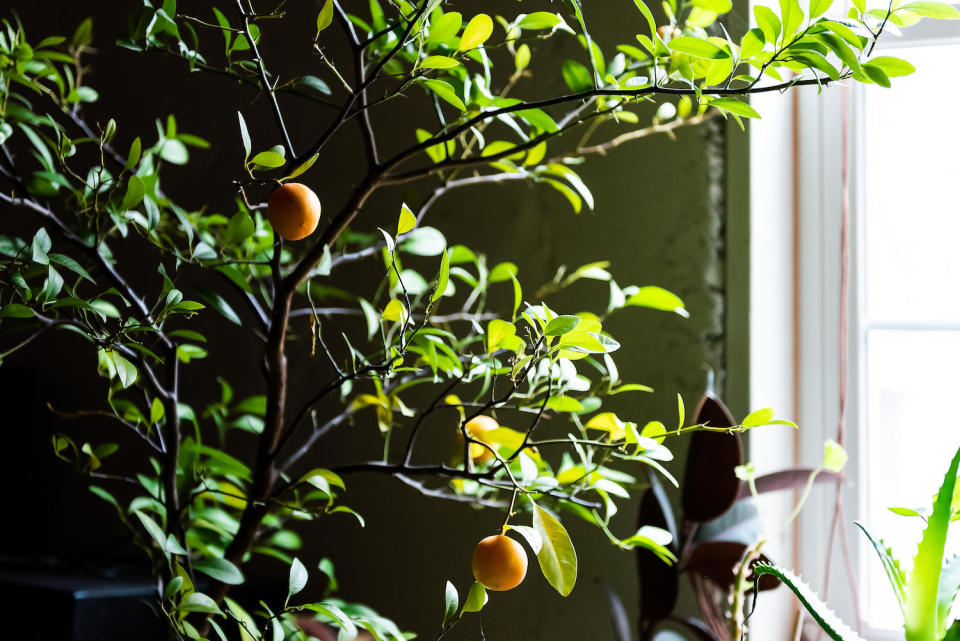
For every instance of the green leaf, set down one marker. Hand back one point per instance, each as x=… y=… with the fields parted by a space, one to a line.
x=133 y=156
x=502 y=272
x=819 y=7
x=923 y=618
x=126 y=371
x=561 y=403
x=394 y=311
x=307 y=164
x=557 y=557
x=297 y=579
x=657 y=298
x=530 y=535
x=244 y=136
x=735 y=106
x=240 y=227
x=893 y=67
x=154 y=530
x=768 y=22
x=645 y=10
x=517 y=296
x=268 y=159
x=697 y=47
x=156 y=411
x=561 y=325
x=71 y=264
x=476 y=598
x=174 y=151
x=890 y=566
x=438 y=62
x=792 y=16
x=40 y=246
x=758 y=417
x=445 y=27
x=199 y=602
x=173 y=587
x=443 y=278
x=220 y=304
x=540 y=20
x=752 y=43
x=834 y=456
x=348 y=629
x=576 y=75
x=876 y=74
x=477 y=31
x=451 y=601
x=424 y=241
x=407 y=220
x=325 y=17
x=220 y=569
x=15 y=310
x=445 y=91
x=836 y=629
x=938 y=10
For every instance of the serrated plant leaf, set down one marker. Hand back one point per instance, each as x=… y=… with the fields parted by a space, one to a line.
x=829 y=622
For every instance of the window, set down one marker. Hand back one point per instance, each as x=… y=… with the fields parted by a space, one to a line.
x=903 y=341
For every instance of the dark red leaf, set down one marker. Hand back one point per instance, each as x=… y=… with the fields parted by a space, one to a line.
x=716 y=561
x=710 y=485
x=659 y=582
x=794 y=478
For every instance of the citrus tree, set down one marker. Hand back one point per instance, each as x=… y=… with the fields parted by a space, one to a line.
x=445 y=338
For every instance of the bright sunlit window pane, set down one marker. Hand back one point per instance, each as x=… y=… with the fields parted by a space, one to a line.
x=912 y=295
x=911 y=138
x=912 y=435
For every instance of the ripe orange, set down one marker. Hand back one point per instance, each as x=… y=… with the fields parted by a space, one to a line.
x=293 y=210
x=499 y=563
x=475 y=428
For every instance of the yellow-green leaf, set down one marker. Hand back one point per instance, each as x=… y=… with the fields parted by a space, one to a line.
x=407 y=220
x=557 y=556
x=394 y=311
x=477 y=31
x=325 y=17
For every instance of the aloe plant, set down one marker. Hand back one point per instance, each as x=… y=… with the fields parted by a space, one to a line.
x=926 y=595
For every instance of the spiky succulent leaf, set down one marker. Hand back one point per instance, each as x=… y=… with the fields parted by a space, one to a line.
x=829 y=622
x=891 y=566
x=922 y=618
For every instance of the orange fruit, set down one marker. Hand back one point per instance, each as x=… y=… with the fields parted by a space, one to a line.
x=293 y=210
x=499 y=563
x=476 y=426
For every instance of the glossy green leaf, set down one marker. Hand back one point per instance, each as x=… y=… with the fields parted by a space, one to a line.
x=557 y=556
x=297 y=579
x=451 y=601
x=220 y=569
x=938 y=10
x=697 y=47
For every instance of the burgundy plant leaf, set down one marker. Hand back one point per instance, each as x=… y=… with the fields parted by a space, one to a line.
x=710 y=485
x=716 y=561
x=659 y=582
x=794 y=478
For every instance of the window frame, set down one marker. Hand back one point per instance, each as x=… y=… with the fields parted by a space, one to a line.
x=815 y=160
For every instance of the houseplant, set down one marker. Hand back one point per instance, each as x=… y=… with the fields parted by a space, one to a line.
x=926 y=593
x=464 y=330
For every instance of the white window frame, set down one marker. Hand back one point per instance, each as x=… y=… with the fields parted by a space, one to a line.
x=796 y=154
